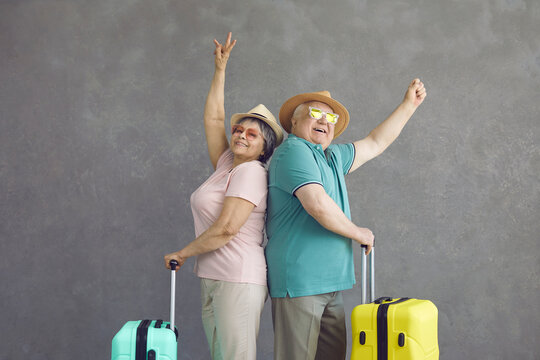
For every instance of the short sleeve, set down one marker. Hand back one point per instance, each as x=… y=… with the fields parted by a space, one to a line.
x=345 y=154
x=297 y=167
x=248 y=181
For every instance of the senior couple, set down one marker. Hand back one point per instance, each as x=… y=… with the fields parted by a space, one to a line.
x=309 y=254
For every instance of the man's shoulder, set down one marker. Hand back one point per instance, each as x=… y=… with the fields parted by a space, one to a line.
x=294 y=164
x=343 y=152
x=293 y=146
x=292 y=152
x=340 y=147
x=293 y=141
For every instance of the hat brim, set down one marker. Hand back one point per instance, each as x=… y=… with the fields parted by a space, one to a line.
x=274 y=125
x=287 y=110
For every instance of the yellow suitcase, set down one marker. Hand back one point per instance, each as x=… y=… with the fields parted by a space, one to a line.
x=393 y=329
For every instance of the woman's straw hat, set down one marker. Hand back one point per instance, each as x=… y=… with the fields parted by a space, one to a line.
x=262 y=113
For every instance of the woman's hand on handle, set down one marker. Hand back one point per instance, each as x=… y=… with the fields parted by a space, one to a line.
x=223 y=52
x=174 y=256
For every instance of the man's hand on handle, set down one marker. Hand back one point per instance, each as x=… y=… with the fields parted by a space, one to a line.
x=365 y=237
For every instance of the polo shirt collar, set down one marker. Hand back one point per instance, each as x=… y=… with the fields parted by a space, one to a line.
x=317 y=147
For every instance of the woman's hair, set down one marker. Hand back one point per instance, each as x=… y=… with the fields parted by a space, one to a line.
x=269 y=137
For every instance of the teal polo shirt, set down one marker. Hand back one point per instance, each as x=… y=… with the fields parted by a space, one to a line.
x=303 y=257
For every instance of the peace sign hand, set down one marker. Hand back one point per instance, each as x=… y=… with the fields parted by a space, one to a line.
x=222 y=52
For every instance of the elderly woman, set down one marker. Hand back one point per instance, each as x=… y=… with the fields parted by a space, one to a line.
x=229 y=212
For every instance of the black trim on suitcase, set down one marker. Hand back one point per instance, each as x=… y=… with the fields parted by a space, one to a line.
x=382 y=329
x=362 y=338
x=142 y=336
x=401 y=340
x=175 y=330
x=382 y=299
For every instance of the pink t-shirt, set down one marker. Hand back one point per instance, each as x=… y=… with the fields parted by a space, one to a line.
x=242 y=259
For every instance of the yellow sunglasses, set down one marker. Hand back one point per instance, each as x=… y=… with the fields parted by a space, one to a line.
x=316 y=113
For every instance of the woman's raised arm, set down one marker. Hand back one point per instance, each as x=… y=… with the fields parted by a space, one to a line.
x=214 y=110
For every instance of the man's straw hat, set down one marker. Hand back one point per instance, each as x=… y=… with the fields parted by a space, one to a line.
x=287 y=110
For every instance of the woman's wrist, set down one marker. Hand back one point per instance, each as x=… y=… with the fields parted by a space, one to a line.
x=220 y=68
x=181 y=255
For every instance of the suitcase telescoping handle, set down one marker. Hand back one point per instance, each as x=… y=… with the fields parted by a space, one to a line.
x=365 y=259
x=173 y=264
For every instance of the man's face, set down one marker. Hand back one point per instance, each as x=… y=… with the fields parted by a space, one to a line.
x=315 y=131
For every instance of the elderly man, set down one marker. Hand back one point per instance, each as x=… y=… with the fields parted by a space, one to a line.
x=309 y=252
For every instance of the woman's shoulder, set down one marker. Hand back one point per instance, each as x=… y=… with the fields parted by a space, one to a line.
x=225 y=159
x=252 y=167
x=250 y=177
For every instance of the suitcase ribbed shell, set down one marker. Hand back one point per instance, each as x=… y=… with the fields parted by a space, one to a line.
x=415 y=319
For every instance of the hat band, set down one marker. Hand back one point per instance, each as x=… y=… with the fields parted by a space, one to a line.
x=254 y=113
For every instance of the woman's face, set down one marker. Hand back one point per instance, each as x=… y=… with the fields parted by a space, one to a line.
x=247 y=142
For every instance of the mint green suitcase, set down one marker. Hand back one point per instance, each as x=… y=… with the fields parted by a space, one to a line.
x=144 y=339
x=148 y=339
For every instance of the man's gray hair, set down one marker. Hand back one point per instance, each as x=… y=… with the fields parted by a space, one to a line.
x=299 y=111
x=269 y=137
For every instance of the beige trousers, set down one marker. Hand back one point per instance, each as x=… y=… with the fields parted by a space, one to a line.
x=309 y=327
x=231 y=314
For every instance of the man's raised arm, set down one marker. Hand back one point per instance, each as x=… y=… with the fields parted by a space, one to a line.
x=386 y=132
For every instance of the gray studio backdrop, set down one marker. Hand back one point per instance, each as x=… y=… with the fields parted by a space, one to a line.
x=102 y=143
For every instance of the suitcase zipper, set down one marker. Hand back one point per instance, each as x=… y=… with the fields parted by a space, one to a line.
x=382 y=329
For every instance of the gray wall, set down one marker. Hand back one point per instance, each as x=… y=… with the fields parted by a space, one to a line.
x=101 y=145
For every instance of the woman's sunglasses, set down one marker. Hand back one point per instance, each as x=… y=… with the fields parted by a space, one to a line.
x=251 y=134
x=316 y=113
